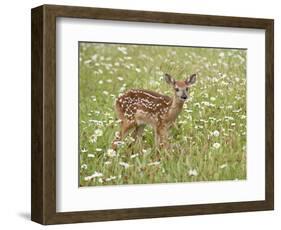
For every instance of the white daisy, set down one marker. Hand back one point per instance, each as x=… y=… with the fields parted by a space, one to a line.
x=91 y=155
x=84 y=166
x=111 y=153
x=94 y=175
x=192 y=172
x=216 y=133
x=98 y=132
x=216 y=145
x=154 y=163
x=124 y=164
x=223 y=166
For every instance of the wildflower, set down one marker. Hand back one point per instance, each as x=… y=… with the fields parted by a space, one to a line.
x=182 y=122
x=120 y=78
x=111 y=153
x=154 y=83
x=223 y=166
x=94 y=175
x=124 y=164
x=84 y=166
x=94 y=57
x=192 y=172
x=87 y=62
x=138 y=70
x=228 y=118
x=96 y=122
x=216 y=133
x=146 y=151
x=134 y=155
x=93 y=139
x=108 y=66
x=98 y=132
x=154 y=163
x=221 y=54
x=123 y=88
x=98 y=149
x=205 y=103
x=119 y=143
x=237 y=110
x=131 y=139
x=110 y=178
x=84 y=150
x=216 y=145
x=122 y=49
x=243 y=117
x=91 y=155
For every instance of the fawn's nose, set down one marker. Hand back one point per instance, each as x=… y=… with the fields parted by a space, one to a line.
x=184 y=97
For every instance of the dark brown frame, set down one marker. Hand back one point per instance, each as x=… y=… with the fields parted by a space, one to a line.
x=43 y=159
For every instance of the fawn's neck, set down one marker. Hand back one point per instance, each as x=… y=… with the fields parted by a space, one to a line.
x=175 y=109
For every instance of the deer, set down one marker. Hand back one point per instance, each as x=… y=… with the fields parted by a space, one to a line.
x=137 y=108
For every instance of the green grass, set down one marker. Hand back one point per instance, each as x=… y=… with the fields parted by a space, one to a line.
x=208 y=138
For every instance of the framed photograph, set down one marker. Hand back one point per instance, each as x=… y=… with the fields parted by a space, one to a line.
x=140 y=114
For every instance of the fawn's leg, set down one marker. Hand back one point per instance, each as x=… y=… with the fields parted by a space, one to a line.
x=156 y=137
x=125 y=128
x=162 y=136
x=137 y=134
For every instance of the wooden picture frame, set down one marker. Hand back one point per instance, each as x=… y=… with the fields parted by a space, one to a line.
x=43 y=186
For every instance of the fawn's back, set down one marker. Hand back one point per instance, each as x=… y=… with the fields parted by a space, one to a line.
x=142 y=106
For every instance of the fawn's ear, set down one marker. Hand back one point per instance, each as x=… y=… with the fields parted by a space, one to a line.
x=191 y=80
x=169 y=79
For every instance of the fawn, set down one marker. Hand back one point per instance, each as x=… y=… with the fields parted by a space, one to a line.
x=137 y=108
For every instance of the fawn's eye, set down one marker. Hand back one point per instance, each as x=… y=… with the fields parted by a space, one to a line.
x=177 y=89
x=186 y=89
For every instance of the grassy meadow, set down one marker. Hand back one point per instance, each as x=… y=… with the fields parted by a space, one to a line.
x=208 y=138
